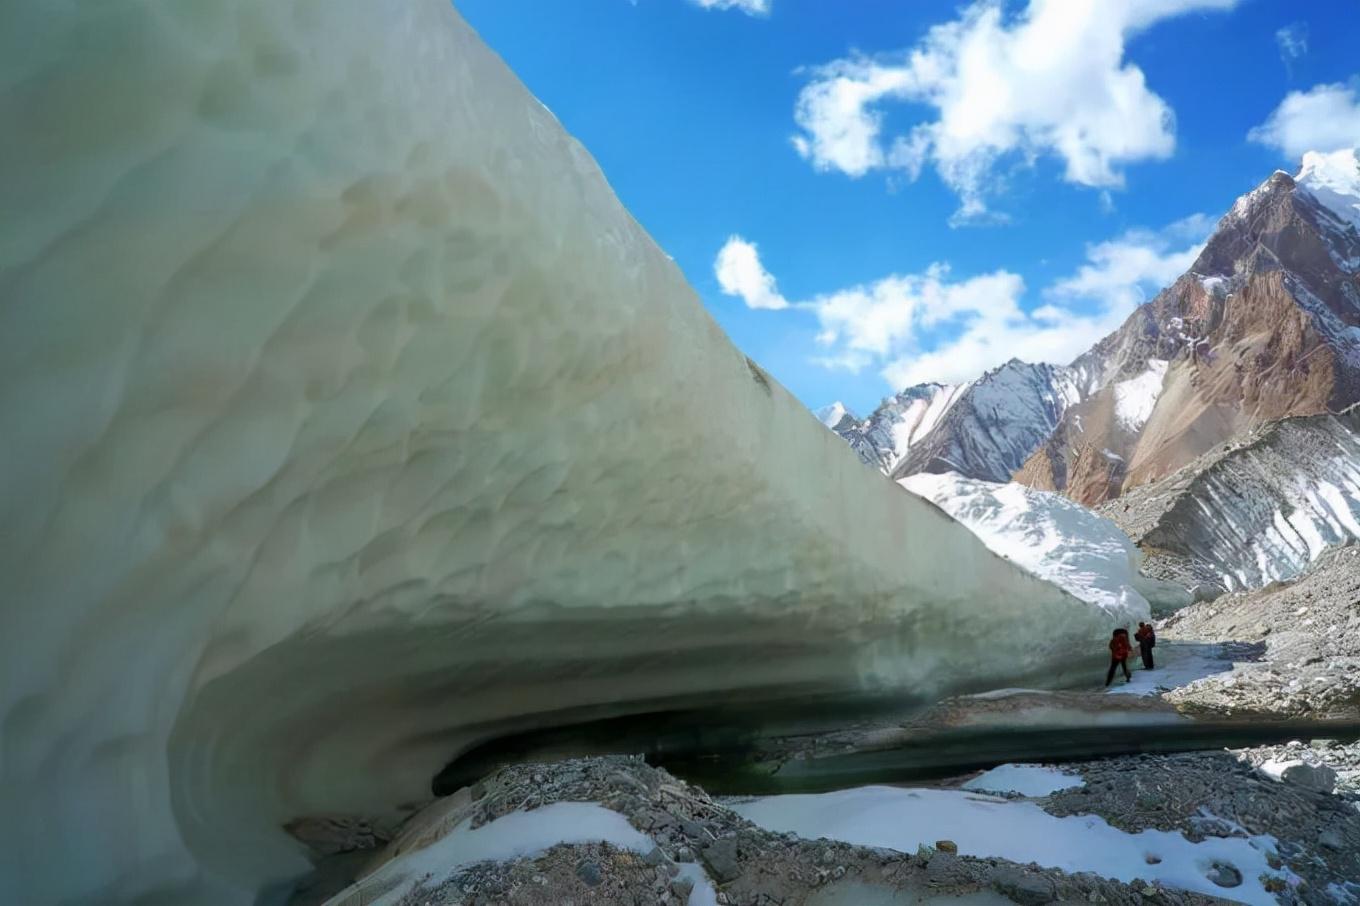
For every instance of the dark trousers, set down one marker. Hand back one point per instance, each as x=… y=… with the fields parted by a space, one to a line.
x=1109 y=677
x=1147 y=655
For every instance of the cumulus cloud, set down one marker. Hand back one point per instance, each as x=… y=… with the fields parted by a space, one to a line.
x=1050 y=81
x=1121 y=273
x=1292 y=41
x=1323 y=118
x=749 y=7
x=740 y=273
x=932 y=326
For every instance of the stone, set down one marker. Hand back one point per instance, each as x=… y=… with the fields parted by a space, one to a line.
x=655 y=857
x=590 y=874
x=1302 y=773
x=682 y=887
x=1023 y=887
x=1331 y=838
x=720 y=859
x=947 y=846
x=1224 y=875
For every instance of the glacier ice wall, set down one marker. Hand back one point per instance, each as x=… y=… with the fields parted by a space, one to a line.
x=350 y=420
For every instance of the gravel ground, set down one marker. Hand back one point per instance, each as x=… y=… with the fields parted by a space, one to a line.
x=1223 y=794
x=1311 y=631
x=748 y=866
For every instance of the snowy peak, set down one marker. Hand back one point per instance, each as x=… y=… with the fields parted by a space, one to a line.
x=833 y=415
x=1334 y=181
x=887 y=436
x=982 y=429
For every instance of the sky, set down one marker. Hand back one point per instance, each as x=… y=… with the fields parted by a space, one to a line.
x=869 y=194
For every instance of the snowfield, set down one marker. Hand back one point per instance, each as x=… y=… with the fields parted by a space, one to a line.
x=1048 y=535
x=1135 y=398
x=984 y=826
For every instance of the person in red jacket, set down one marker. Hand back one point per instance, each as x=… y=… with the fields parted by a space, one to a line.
x=1146 y=637
x=1119 y=655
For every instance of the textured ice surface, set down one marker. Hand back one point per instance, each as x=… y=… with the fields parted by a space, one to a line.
x=349 y=420
x=903 y=819
x=1047 y=534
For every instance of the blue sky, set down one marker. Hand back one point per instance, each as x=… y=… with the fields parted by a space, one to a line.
x=920 y=190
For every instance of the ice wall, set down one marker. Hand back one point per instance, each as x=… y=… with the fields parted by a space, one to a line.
x=349 y=419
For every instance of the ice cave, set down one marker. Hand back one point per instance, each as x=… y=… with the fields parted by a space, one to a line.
x=351 y=423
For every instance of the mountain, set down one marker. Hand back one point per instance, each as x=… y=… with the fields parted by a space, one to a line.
x=833 y=415
x=1254 y=510
x=1264 y=326
x=982 y=429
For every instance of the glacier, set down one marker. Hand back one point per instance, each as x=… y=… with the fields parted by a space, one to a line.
x=1254 y=510
x=350 y=420
x=1053 y=538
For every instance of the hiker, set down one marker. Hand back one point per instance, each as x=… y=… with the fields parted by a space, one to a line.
x=1119 y=655
x=1147 y=638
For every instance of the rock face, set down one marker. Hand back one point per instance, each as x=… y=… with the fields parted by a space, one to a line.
x=350 y=420
x=983 y=429
x=1266 y=325
x=1253 y=510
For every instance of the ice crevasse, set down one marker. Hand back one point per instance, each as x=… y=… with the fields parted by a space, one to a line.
x=349 y=420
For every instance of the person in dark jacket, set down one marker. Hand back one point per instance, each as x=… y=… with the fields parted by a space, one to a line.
x=1119 y=655
x=1146 y=638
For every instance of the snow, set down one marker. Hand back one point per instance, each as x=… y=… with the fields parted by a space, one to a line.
x=987 y=827
x=339 y=386
x=1177 y=664
x=833 y=415
x=1025 y=779
x=513 y=836
x=1048 y=535
x=1211 y=285
x=1334 y=180
x=1265 y=509
x=1135 y=398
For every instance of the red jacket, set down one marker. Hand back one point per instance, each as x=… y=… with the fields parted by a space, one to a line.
x=1119 y=647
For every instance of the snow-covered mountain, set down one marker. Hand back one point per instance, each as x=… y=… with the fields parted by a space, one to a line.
x=833 y=415
x=1264 y=326
x=982 y=429
x=1256 y=509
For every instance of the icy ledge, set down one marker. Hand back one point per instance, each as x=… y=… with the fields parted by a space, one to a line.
x=349 y=420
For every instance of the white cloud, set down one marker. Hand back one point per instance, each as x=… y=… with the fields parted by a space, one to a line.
x=1121 y=273
x=740 y=273
x=1324 y=118
x=931 y=327
x=749 y=7
x=1292 y=41
x=1052 y=81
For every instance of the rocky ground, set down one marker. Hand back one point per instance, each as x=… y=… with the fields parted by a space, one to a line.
x=1225 y=793
x=1310 y=627
x=698 y=839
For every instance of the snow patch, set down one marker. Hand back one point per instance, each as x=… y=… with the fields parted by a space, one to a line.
x=987 y=827
x=1334 y=181
x=1025 y=779
x=1047 y=534
x=1135 y=398
x=509 y=837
